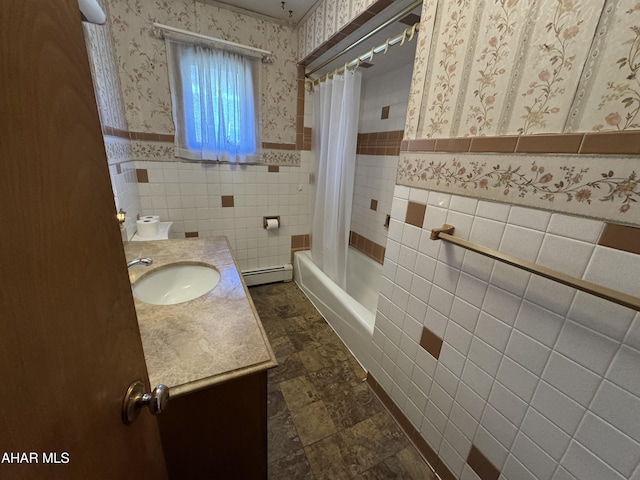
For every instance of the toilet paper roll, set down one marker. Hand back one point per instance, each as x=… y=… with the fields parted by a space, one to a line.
x=148 y=227
x=273 y=224
x=150 y=217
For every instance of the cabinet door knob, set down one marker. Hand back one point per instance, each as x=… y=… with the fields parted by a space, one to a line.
x=136 y=398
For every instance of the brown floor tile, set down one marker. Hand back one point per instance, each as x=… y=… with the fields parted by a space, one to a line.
x=324 y=422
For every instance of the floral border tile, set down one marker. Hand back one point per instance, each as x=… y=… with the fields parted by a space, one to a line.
x=550 y=182
x=118 y=149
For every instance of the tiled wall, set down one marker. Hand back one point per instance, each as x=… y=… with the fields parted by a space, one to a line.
x=497 y=373
x=207 y=199
x=383 y=107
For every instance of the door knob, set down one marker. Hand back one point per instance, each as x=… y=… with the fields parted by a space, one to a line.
x=136 y=398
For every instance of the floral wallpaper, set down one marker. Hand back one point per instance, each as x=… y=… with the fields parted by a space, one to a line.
x=551 y=182
x=524 y=67
x=142 y=61
x=327 y=17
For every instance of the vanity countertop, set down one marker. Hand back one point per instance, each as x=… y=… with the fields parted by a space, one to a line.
x=209 y=340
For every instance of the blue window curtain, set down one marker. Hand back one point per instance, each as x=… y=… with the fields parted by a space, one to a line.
x=215 y=103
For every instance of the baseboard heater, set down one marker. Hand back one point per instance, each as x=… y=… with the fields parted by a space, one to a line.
x=260 y=276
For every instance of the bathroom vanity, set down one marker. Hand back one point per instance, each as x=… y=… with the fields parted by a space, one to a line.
x=213 y=354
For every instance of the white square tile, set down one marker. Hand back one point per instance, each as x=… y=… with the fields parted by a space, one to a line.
x=417 y=309
x=446 y=380
x=584 y=465
x=521 y=242
x=545 y=434
x=625 y=370
x=539 y=323
x=565 y=255
x=431 y=434
x=477 y=379
x=549 y=294
x=407 y=257
x=633 y=336
x=446 y=277
x=463 y=204
x=617 y=406
x=478 y=265
x=557 y=407
x=517 y=379
x=470 y=401
x=469 y=474
x=605 y=261
x=439 y=199
x=501 y=304
x=434 y=217
x=399 y=209
x=487 y=233
x=463 y=420
x=485 y=356
x=579 y=228
x=528 y=352
x=514 y=470
x=510 y=278
x=610 y=445
x=491 y=448
x=464 y=314
x=455 y=438
x=601 y=315
x=562 y=474
x=493 y=210
x=436 y=416
x=572 y=379
x=507 y=403
x=425 y=266
x=458 y=337
x=536 y=460
x=471 y=289
x=441 y=300
x=588 y=348
x=529 y=217
x=452 y=359
x=502 y=429
x=493 y=331
x=451 y=458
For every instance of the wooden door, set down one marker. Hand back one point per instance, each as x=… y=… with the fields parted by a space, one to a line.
x=69 y=339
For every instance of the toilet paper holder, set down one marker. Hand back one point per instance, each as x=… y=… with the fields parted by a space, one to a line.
x=264 y=220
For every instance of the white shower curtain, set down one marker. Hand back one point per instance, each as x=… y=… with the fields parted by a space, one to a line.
x=335 y=132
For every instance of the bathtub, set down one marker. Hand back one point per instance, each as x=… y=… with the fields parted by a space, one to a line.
x=351 y=314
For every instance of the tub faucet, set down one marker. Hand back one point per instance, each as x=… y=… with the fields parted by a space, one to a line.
x=137 y=261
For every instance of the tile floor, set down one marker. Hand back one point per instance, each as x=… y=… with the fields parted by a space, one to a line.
x=323 y=420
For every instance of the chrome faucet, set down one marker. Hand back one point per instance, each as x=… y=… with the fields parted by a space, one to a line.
x=137 y=261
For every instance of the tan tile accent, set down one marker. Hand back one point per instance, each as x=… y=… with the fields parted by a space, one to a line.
x=422 y=145
x=481 y=465
x=379 y=143
x=415 y=214
x=617 y=143
x=118 y=169
x=494 y=144
x=114 y=132
x=385 y=112
x=374 y=205
x=227 y=200
x=431 y=342
x=142 y=175
x=306 y=138
x=366 y=246
x=556 y=143
x=191 y=234
x=299 y=241
x=621 y=237
x=151 y=137
x=453 y=144
x=273 y=168
x=279 y=146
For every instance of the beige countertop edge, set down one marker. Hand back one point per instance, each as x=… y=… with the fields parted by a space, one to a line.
x=197 y=385
x=164 y=251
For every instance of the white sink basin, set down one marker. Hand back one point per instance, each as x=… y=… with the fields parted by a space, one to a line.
x=176 y=283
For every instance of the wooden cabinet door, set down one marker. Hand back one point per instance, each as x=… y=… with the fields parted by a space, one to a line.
x=69 y=339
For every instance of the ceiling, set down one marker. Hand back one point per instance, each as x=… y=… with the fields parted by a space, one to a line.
x=381 y=63
x=274 y=8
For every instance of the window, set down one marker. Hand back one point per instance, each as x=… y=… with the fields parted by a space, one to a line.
x=215 y=103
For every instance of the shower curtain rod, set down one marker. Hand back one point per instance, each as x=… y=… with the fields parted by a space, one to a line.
x=446 y=233
x=405 y=11
x=401 y=37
